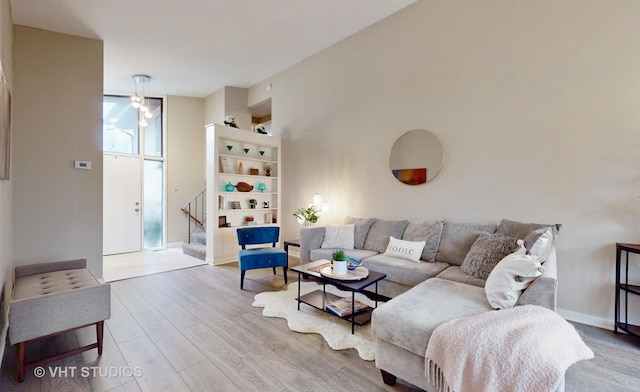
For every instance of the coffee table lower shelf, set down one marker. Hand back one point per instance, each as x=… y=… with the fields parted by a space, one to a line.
x=319 y=299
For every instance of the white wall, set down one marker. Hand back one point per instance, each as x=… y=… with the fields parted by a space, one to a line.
x=185 y=161
x=6 y=264
x=57 y=118
x=537 y=103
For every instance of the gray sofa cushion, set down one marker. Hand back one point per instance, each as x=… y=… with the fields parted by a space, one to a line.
x=378 y=236
x=486 y=252
x=454 y=273
x=408 y=320
x=325 y=253
x=520 y=230
x=361 y=229
x=430 y=231
x=457 y=238
x=404 y=271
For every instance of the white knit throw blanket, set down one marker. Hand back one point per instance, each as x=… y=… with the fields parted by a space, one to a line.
x=525 y=348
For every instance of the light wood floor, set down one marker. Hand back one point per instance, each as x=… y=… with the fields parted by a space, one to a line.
x=129 y=265
x=194 y=329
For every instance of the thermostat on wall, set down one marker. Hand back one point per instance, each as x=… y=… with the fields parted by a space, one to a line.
x=82 y=165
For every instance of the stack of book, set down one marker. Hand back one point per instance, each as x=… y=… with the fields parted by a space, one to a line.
x=342 y=307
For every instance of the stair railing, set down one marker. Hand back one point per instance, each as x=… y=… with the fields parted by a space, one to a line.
x=196 y=210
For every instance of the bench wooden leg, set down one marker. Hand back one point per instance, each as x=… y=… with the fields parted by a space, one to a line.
x=21 y=354
x=100 y=335
x=388 y=378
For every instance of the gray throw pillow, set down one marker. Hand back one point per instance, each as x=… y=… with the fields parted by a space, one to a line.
x=430 y=231
x=378 y=236
x=486 y=252
x=360 y=231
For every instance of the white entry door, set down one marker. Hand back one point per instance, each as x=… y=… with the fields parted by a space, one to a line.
x=122 y=204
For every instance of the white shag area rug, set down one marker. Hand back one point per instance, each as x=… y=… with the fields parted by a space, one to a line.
x=336 y=331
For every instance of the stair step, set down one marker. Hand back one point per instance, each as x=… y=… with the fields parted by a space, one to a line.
x=198 y=251
x=199 y=237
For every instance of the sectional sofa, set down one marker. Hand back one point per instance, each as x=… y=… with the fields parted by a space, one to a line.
x=442 y=283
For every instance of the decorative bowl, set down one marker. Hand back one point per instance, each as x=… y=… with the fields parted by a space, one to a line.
x=353 y=264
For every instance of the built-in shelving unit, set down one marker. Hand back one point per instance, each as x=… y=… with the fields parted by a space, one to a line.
x=234 y=156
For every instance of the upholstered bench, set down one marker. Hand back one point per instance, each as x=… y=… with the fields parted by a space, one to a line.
x=53 y=298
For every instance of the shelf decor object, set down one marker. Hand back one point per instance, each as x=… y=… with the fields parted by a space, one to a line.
x=229 y=147
x=254 y=151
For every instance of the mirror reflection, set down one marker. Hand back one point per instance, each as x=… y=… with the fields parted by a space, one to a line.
x=416 y=157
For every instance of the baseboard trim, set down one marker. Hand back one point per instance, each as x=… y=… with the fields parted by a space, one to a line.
x=3 y=338
x=586 y=319
x=175 y=244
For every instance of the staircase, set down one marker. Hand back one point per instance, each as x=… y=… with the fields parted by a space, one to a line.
x=196 y=211
x=198 y=246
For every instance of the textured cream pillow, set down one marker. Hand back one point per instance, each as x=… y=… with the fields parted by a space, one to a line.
x=411 y=250
x=510 y=277
x=338 y=236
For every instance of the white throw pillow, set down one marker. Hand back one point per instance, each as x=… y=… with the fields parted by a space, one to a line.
x=411 y=250
x=338 y=236
x=510 y=277
x=541 y=248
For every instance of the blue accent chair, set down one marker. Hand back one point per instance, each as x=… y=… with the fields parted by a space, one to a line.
x=260 y=257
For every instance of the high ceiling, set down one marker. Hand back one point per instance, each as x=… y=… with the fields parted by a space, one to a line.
x=195 y=47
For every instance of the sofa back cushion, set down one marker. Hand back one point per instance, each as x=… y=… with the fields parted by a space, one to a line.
x=457 y=238
x=378 y=236
x=520 y=230
x=429 y=231
x=361 y=229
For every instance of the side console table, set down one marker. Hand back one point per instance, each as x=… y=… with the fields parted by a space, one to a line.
x=623 y=286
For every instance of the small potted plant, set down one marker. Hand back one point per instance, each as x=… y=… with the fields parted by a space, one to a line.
x=339 y=259
x=253 y=203
x=267 y=170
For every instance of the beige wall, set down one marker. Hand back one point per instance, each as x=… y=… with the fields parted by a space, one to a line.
x=185 y=160
x=537 y=103
x=57 y=118
x=6 y=264
x=228 y=101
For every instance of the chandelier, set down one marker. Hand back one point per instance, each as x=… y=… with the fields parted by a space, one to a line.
x=140 y=99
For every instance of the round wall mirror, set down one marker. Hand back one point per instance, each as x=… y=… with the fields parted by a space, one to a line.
x=416 y=157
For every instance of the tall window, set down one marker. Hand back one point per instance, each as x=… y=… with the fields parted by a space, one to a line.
x=122 y=134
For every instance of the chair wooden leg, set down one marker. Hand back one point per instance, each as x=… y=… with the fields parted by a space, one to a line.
x=284 y=269
x=21 y=354
x=242 y=279
x=274 y=270
x=388 y=378
x=100 y=335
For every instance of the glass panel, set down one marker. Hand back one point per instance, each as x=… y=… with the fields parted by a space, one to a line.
x=153 y=130
x=119 y=125
x=153 y=197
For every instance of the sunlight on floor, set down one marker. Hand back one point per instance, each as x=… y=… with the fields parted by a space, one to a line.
x=129 y=265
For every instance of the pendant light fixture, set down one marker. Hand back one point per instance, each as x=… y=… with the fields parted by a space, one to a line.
x=140 y=99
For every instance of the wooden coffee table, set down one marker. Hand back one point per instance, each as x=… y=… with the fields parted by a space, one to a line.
x=319 y=298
